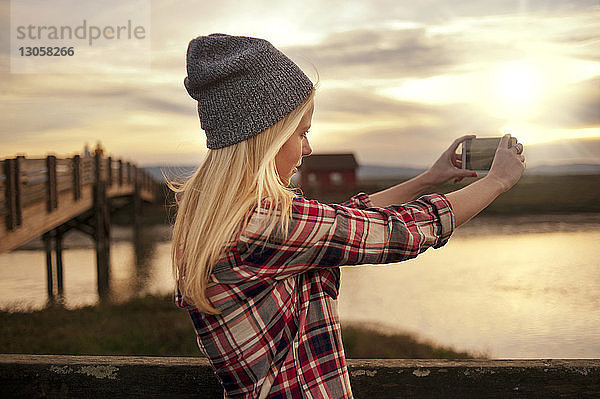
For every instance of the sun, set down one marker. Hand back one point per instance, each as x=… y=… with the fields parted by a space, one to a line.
x=517 y=88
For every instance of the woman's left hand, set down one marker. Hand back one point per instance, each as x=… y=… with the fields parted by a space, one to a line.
x=445 y=168
x=448 y=166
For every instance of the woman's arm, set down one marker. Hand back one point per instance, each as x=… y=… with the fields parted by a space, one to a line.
x=326 y=236
x=401 y=193
x=472 y=199
x=447 y=167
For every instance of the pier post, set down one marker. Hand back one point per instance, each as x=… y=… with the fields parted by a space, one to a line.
x=76 y=166
x=12 y=193
x=58 y=236
x=109 y=172
x=102 y=225
x=120 y=172
x=129 y=173
x=51 y=194
x=137 y=196
x=46 y=237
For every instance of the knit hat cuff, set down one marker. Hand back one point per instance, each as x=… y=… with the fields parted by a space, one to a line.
x=229 y=134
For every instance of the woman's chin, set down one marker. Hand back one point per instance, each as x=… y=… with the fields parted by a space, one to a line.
x=285 y=182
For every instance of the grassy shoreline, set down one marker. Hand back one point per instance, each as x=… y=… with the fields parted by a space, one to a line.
x=153 y=326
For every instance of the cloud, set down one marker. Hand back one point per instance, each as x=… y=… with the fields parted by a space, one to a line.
x=163 y=105
x=380 y=53
x=440 y=10
x=33 y=104
x=381 y=130
x=564 y=152
x=347 y=104
x=578 y=106
x=401 y=50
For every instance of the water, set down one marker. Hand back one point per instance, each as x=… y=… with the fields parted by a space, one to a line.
x=139 y=265
x=508 y=296
x=521 y=287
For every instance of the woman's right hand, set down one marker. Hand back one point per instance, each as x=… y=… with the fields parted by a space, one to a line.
x=508 y=165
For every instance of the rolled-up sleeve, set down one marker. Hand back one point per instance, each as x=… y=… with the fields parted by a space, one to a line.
x=352 y=233
x=360 y=201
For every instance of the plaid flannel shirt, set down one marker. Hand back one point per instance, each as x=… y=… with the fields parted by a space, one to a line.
x=278 y=334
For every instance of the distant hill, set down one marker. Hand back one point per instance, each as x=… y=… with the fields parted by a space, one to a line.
x=573 y=169
x=374 y=171
x=171 y=171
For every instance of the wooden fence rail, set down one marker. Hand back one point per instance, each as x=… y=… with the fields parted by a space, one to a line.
x=51 y=376
x=25 y=181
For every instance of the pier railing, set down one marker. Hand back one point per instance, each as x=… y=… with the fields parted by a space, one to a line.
x=181 y=377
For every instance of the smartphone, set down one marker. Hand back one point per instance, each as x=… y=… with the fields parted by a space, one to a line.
x=478 y=154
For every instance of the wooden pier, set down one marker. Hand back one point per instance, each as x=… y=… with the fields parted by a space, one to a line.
x=47 y=197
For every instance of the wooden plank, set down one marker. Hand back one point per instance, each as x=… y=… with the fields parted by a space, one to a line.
x=64 y=174
x=119 y=191
x=495 y=379
x=34 y=176
x=36 y=221
x=109 y=377
x=87 y=170
x=33 y=165
x=63 y=165
x=33 y=193
x=64 y=182
x=182 y=377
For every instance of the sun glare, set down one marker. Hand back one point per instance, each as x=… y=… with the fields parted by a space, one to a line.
x=517 y=88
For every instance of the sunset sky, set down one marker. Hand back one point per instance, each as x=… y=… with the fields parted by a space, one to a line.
x=398 y=80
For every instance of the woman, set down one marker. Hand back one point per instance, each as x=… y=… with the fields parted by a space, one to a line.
x=256 y=264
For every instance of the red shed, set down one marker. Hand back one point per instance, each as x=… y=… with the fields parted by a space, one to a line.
x=329 y=173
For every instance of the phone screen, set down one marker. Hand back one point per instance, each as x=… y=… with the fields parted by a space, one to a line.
x=479 y=153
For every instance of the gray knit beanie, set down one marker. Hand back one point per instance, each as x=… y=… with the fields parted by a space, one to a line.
x=242 y=84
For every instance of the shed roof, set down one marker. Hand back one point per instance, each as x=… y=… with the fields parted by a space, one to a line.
x=329 y=162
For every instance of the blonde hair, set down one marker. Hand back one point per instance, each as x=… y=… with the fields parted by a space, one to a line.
x=219 y=198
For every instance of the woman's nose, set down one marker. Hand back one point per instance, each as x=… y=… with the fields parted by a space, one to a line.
x=306 y=149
